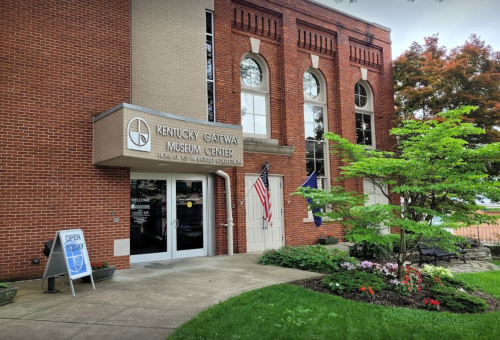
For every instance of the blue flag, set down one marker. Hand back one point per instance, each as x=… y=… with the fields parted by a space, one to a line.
x=312 y=182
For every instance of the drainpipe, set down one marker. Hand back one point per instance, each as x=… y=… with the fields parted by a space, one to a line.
x=229 y=210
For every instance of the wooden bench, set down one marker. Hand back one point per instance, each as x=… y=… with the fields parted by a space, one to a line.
x=426 y=250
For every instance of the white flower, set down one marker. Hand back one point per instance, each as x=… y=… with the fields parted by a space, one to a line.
x=337 y=284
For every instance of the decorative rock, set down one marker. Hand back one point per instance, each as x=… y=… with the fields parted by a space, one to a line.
x=6 y=295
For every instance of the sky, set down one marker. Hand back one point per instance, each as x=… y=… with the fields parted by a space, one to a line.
x=454 y=20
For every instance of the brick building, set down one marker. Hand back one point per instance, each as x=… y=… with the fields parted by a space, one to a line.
x=133 y=120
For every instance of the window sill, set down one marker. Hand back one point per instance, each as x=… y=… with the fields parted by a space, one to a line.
x=270 y=146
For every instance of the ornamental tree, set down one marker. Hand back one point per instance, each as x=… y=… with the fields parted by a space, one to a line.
x=428 y=79
x=434 y=178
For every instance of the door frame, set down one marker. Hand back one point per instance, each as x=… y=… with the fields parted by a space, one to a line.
x=171 y=217
x=278 y=210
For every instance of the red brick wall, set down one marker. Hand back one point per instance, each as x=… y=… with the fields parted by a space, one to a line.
x=62 y=63
x=287 y=63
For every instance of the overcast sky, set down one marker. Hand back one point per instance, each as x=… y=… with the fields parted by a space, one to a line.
x=454 y=20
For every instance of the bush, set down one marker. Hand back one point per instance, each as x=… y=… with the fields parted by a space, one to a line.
x=368 y=251
x=436 y=271
x=495 y=250
x=352 y=280
x=312 y=258
x=458 y=283
x=458 y=301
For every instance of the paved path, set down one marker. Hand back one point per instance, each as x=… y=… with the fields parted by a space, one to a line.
x=457 y=266
x=148 y=301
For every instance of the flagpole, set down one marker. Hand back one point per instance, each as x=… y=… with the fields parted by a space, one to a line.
x=244 y=198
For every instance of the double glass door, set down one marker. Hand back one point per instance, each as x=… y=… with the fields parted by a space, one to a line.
x=167 y=217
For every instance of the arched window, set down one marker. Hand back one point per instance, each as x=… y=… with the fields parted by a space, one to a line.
x=365 y=127
x=254 y=96
x=314 y=126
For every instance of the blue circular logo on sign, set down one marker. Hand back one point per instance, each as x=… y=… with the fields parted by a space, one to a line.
x=74 y=254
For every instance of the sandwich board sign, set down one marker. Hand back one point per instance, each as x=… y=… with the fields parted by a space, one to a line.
x=69 y=256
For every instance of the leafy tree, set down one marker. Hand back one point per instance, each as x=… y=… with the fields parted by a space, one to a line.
x=428 y=80
x=434 y=175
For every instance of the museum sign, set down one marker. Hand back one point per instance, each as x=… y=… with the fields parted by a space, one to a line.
x=147 y=140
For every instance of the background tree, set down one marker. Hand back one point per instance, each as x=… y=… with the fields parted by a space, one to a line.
x=428 y=80
x=437 y=174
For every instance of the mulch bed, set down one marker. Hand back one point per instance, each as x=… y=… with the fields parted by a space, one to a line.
x=391 y=297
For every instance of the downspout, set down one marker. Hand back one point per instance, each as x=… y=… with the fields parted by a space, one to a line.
x=229 y=210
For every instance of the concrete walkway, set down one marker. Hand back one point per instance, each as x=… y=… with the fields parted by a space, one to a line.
x=148 y=301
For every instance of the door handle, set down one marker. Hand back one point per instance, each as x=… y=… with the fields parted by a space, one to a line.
x=176 y=223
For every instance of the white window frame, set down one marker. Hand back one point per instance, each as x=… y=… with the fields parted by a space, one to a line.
x=261 y=90
x=366 y=110
x=211 y=81
x=320 y=101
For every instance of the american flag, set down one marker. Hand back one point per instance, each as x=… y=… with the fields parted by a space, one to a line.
x=262 y=187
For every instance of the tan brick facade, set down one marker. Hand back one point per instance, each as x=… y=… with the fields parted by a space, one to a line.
x=169 y=56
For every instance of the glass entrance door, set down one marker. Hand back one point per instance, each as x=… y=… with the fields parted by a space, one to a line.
x=167 y=217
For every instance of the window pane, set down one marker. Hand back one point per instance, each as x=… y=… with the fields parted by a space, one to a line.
x=319 y=150
x=362 y=101
x=359 y=121
x=309 y=131
x=368 y=137
x=367 y=122
x=360 y=137
x=308 y=113
x=309 y=149
x=250 y=72
x=320 y=168
x=309 y=166
x=318 y=118
x=246 y=103
x=209 y=22
x=210 y=95
x=209 y=58
x=311 y=85
x=247 y=123
x=259 y=105
x=360 y=95
x=260 y=125
x=148 y=216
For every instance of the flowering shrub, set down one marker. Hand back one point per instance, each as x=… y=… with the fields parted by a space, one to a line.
x=431 y=304
x=394 y=282
x=389 y=270
x=435 y=281
x=351 y=280
x=366 y=265
x=336 y=287
x=410 y=283
x=347 y=266
x=99 y=265
x=367 y=292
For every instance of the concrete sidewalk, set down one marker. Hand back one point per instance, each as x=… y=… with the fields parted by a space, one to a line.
x=147 y=301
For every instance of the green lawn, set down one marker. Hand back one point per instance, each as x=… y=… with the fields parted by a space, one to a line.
x=291 y=312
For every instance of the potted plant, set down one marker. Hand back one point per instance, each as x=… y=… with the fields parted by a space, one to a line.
x=100 y=271
x=7 y=293
x=328 y=238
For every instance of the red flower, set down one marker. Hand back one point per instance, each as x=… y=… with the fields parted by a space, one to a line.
x=362 y=289
x=426 y=301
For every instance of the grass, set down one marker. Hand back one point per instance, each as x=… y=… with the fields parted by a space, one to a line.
x=291 y=312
